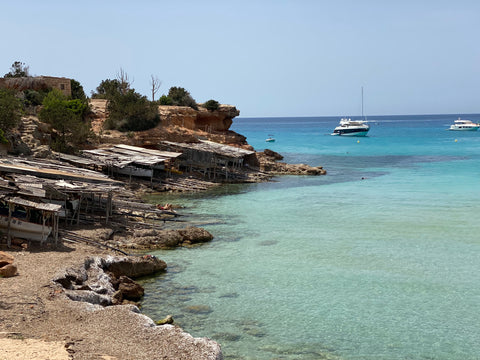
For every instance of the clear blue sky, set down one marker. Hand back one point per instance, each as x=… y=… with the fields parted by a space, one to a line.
x=266 y=57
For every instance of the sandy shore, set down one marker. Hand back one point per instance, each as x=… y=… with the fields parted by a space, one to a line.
x=37 y=320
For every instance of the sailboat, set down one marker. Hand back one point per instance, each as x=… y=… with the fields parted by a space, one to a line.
x=349 y=127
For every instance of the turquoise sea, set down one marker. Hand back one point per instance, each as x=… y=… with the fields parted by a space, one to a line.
x=379 y=259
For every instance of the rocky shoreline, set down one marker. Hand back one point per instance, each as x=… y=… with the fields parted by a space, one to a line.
x=82 y=300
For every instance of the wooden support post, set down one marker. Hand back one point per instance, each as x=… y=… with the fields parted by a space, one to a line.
x=9 y=237
x=151 y=177
x=79 y=207
x=55 y=228
x=109 y=206
x=43 y=226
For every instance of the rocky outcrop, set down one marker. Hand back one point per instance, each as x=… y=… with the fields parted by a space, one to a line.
x=143 y=239
x=7 y=268
x=108 y=281
x=268 y=162
x=201 y=119
x=165 y=239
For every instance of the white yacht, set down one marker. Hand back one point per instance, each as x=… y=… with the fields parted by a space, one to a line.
x=464 y=125
x=349 y=127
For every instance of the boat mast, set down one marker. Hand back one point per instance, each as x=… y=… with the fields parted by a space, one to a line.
x=363 y=118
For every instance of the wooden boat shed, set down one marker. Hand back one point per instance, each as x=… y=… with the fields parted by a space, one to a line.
x=210 y=158
x=131 y=160
x=49 y=214
x=73 y=190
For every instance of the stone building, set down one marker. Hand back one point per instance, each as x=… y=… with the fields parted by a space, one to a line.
x=37 y=83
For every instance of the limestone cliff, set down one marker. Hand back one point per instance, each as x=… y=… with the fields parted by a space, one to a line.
x=201 y=119
x=177 y=123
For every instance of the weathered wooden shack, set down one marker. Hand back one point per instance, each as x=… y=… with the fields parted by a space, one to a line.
x=212 y=159
x=133 y=161
x=75 y=191
x=28 y=219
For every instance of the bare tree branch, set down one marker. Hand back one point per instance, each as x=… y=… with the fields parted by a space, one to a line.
x=124 y=81
x=155 y=83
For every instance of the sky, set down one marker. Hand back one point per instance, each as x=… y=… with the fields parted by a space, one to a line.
x=268 y=58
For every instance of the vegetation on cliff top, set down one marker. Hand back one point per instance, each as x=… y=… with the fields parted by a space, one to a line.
x=68 y=116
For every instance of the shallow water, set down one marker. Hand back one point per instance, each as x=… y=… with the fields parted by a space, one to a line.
x=376 y=260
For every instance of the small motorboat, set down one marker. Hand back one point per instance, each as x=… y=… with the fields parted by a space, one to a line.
x=464 y=125
x=270 y=138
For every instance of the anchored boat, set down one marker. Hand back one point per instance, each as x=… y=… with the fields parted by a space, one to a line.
x=349 y=127
x=464 y=125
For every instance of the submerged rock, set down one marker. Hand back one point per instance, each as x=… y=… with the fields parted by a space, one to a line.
x=199 y=309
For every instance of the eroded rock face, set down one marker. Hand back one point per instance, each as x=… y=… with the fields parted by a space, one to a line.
x=201 y=119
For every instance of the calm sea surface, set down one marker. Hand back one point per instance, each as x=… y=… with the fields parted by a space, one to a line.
x=379 y=259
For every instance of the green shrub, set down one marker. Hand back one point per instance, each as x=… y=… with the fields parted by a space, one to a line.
x=165 y=100
x=10 y=110
x=181 y=97
x=65 y=117
x=211 y=105
x=33 y=97
x=131 y=112
x=2 y=137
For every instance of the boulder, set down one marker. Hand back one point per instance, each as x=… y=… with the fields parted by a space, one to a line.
x=71 y=277
x=8 y=270
x=135 y=266
x=273 y=154
x=5 y=259
x=129 y=289
x=194 y=235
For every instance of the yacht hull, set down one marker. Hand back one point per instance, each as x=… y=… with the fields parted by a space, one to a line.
x=352 y=133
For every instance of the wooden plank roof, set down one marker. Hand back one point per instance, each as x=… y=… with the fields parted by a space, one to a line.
x=123 y=157
x=165 y=154
x=31 y=204
x=53 y=171
x=213 y=147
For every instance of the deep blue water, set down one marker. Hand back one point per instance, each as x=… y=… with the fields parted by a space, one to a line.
x=376 y=260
